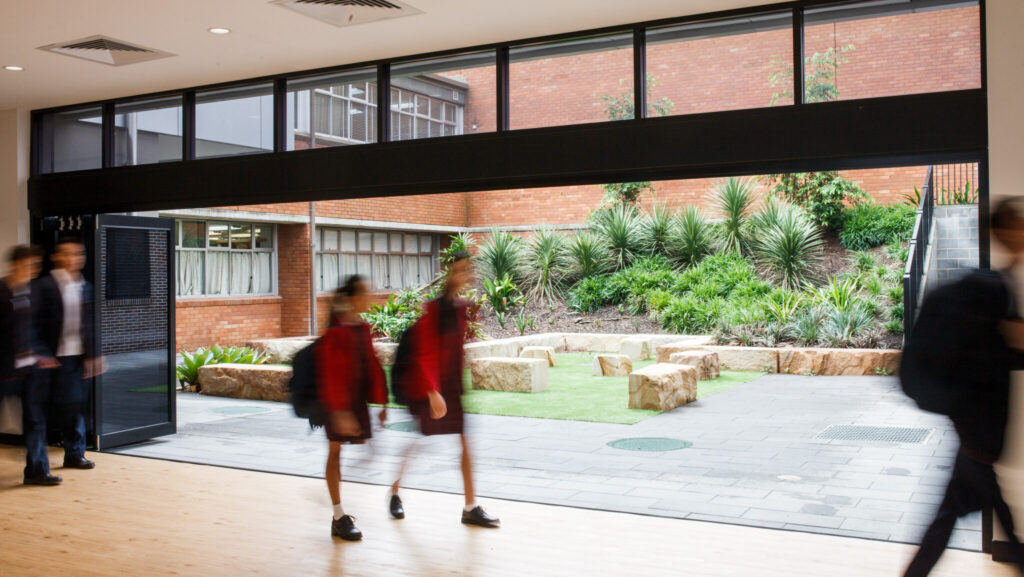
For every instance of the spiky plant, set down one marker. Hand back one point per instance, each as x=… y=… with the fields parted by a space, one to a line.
x=790 y=249
x=546 y=265
x=806 y=327
x=838 y=294
x=692 y=237
x=733 y=198
x=782 y=305
x=619 y=227
x=588 y=255
x=500 y=256
x=844 y=327
x=656 y=227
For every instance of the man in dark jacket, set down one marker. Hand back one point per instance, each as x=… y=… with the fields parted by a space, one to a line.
x=17 y=334
x=984 y=335
x=66 y=334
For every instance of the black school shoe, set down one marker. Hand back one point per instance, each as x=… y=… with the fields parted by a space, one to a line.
x=79 y=463
x=480 y=518
x=46 y=480
x=345 y=528
x=395 y=507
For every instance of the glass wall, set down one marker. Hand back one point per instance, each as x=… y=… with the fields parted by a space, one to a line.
x=332 y=110
x=71 y=140
x=444 y=97
x=571 y=82
x=235 y=121
x=716 y=65
x=871 y=49
x=388 y=260
x=147 y=132
x=224 y=258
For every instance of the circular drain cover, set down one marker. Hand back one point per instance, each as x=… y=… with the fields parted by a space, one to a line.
x=650 y=444
x=404 y=427
x=239 y=410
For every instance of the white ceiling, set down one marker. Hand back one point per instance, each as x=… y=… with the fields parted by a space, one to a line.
x=267 y=39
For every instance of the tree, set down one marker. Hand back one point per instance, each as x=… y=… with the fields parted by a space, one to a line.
x=820 y=83
x=623 y=107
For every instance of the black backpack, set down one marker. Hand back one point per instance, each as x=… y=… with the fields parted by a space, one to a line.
x=400 y=370
x=956 y=350
x=302 y=387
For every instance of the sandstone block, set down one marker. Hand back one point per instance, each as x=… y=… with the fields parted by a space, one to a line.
x=280 y=351
x=664 y=352
x=258 y=382
x=593 y=342
x=747 y=358
x=636 y=348
x=662 y=387
x=612 y=366
x=837 y=362
x=706 y=363
x=546 y=353
x=513 y=375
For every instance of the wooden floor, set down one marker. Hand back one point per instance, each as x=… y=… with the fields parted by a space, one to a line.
x=139 y=517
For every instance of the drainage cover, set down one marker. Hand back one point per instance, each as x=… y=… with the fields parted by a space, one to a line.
x=650 y=444
x=404 y=427
x=239 y=410
x=913 y=435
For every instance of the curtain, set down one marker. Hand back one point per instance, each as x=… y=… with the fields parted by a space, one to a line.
x=412 y=275
x=329 y=273
x=426 y=269
x=262 y=272
x=380 y=272
x=241 y=273
x=217 y=273
x=189 y=265
x=348 y=265
x=396 y=272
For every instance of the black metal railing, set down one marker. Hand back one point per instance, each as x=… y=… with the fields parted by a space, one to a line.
x=955 y=183
x=914 y=272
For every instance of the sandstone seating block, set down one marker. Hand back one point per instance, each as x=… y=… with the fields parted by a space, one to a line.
x=662 y=387
x=546 y=353
x=706 y=362
x=664 y=352
x=238 y=381
x=612 y=366
x=280 y=351
x=511 y=375
x=636 y=348
x=839 y=362
x=747 y=358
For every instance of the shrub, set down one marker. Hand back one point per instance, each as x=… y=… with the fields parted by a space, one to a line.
x=523 y=322
x=838 y=294
x=657 y=300
x=787 y=245
x=895 y=294
x=869 y=225
x=395 y=316
x=824 y=195
x=894 y=326
x=619 y=227
x=782 y=305
x=898 y=250
x=806 y=327
x=691 y=315
x=895 y=312
x=589 y=255
x=547 y=264
x=863 y=261
x=500 y=256
x=589 y=295
x=874 y=285
x=847 y=327
x=461 y=242
x=733 y=198
x=502 y=295
x=656 y=227
x=691 y=238
x=188 y=371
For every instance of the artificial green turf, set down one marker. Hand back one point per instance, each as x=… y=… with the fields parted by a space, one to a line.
x=575 y=395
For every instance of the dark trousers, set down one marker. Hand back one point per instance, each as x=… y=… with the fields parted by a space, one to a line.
x=55 y=397
x=972 y=487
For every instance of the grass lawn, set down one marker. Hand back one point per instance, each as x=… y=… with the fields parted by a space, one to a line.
x=575 y=395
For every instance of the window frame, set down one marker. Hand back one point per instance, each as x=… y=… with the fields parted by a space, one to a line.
x=207 y=249
x=373 y=253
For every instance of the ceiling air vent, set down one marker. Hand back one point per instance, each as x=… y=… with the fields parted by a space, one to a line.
x=106 y=51
x=349 y=12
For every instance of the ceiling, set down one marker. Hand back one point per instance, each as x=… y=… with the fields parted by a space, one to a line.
x=267 y=39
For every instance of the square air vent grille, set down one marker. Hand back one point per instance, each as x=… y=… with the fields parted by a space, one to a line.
x=106 y=51
x=349 y=12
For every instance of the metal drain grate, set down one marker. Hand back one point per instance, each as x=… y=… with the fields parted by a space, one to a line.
x=912 y=435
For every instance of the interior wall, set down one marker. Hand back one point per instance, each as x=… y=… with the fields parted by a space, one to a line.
x=14 y=168
x=1005 y=47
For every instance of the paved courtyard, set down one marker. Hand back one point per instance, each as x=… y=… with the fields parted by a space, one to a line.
x=754 y=459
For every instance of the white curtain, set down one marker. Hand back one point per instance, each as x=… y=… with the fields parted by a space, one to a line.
x=380 y=272
x=329 y=272
x=217 y=273
x=241 y=273
x=396 y=272
x=262 y=272
x=189 y=264
x=426 y=269
x=411 y=273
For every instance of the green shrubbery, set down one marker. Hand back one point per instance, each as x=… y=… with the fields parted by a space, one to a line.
x=188 y=370
x=869 y=225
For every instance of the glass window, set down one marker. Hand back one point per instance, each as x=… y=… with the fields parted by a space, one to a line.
x=464 y=85
x=717 y=65
x=342 y=109
x=412 y=244
x=396 y=243
x=425 y=244
x=380 y=242
x=330 y=241
x=872 y=49
x=540 y=74
x=147 y=132
x=71 y=140
x=348 y=241
x=235 y=121
x=389 y=260
x=365 y=243
x=219 y=259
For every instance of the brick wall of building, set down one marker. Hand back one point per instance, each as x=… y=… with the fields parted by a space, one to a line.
x=201 y=322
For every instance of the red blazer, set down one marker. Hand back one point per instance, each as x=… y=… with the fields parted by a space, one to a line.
x=342 y=348
x=426 y=356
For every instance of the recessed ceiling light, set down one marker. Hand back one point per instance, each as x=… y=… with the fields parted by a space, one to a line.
x=219 y=30
x=14 y=68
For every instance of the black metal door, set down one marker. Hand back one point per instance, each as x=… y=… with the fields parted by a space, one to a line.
x=134 y=291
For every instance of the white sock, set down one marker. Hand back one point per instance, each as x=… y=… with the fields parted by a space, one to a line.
x=338 y=512
x=470 y=507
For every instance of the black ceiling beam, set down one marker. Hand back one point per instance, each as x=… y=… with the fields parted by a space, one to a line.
x=901 y=130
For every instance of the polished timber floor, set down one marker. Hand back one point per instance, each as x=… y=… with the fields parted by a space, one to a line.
x=135 y=516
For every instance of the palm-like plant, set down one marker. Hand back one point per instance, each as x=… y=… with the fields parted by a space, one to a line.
x=733 y=198
x=547 y=263
x=838 y=294
x=790 y=248
x=500 y=256
x=619 y=226
x=655 y=230
x=691 y=238
x=588 y=254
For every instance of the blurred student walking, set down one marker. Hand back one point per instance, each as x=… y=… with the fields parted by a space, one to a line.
x=349 y=376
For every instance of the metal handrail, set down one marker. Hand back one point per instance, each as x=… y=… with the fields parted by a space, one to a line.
x=914 y=271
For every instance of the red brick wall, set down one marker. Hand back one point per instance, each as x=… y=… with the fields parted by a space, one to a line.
x=201 y=322
x=293 y=278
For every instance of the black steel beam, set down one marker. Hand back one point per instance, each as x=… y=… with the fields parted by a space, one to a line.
x=893 y=131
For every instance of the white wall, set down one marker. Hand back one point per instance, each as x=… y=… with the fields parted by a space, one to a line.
x=14 y=167
x=1006 y=178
